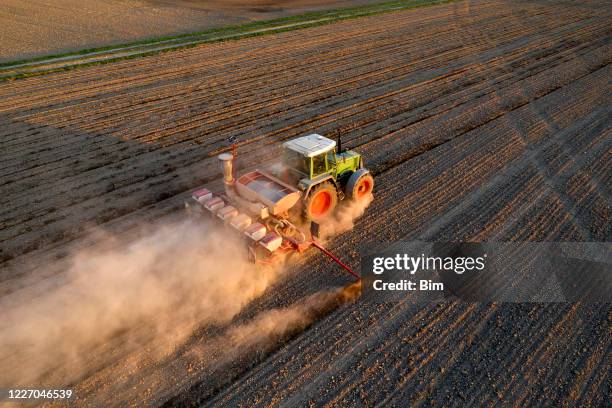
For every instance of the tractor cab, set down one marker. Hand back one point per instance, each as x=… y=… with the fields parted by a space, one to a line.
x=314 y=157
x=309 y=155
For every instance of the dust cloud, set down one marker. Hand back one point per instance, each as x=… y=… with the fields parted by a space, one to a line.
x=145 y=298
x=276 y=323
x=156 y=291
x=344 y=219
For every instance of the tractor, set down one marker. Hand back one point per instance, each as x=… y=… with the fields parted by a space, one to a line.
x=280 y=208
x=324 y=175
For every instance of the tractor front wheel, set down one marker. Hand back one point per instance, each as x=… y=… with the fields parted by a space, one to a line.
x=321 y=202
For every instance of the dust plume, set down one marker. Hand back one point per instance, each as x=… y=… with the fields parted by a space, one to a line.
x=154 y=291
x=344 y=219
x=270 y=326
x=222 y=358
x=143 y=299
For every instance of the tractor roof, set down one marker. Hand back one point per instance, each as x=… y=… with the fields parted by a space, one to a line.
x=311 y=145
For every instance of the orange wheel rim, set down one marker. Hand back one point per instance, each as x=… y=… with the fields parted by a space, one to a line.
x=321 y=203
x=363 y=188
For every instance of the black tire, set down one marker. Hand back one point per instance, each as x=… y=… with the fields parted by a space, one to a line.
x=321 y=202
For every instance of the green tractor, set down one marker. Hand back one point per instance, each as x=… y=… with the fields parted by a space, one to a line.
x=268 y=205
x=324 y=174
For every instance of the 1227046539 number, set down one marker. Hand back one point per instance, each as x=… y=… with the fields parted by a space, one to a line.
x=38 y=394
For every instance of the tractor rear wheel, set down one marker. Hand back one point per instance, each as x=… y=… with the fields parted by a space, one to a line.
x=360 y=185
x=321 y=202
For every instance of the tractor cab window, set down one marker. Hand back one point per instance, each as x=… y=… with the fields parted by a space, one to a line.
x=296 y=161
x=318 y=165
x=331 y=157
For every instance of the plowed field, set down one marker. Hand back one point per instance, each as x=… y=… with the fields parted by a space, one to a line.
x=480 y=120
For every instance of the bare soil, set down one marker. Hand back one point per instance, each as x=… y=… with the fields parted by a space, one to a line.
x=42 y=27
x=481 y=120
